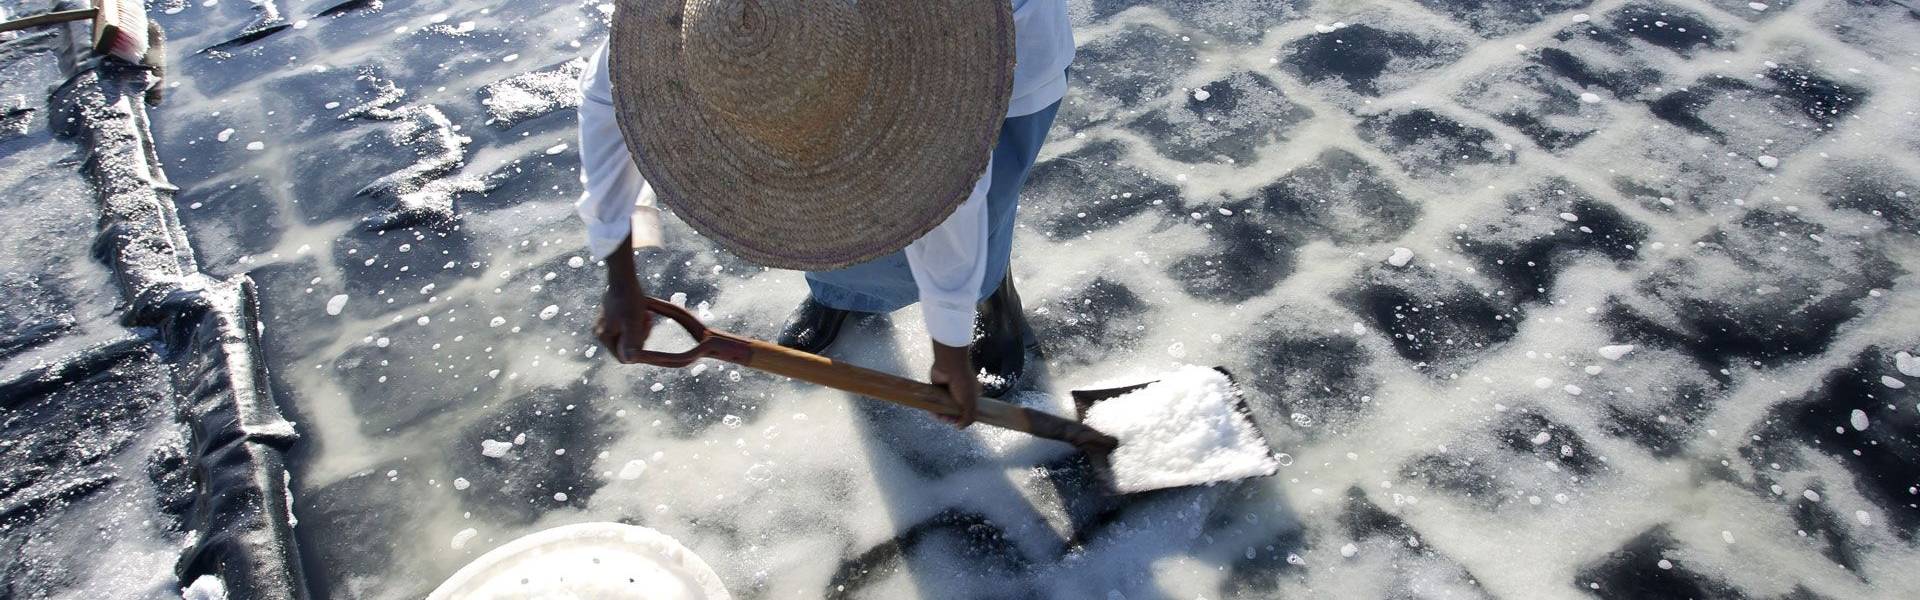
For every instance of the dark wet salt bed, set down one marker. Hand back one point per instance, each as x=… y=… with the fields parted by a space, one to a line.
x=1536 y=299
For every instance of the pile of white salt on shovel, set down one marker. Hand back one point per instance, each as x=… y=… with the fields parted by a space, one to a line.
x=1185 y=429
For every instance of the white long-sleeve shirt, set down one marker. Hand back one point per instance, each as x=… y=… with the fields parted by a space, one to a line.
x=949 y=263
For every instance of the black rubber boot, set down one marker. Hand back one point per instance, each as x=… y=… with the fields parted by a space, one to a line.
x=1001 y=350
x=812 y=327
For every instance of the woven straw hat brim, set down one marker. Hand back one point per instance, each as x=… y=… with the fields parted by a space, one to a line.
x=918 y=136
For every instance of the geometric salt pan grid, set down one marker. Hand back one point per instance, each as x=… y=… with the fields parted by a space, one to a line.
x=1545 y=298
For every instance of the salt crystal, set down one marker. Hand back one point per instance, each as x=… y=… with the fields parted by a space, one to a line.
x=1892 y=383
x=1615 y=352
x=1400 y=257
x=205 y=587
x=1767 y=161
x=1811 y=496
x=496 y=322
x=336 y=304
x=1665 y=565
x=1177 y=350
x=657 y=386
x=1757 y=7
x=1183 y=429
x=1201 y=95
x=556 y=149
x=1863 y=517
x=224 y=135
x=559 y=496
x=461 y=483
x=1569 y=217
x=1541 y=438
x=1726 y=535
x=549 y=311
x=1571 y=389
x=256 y=145
x=1590 y=98
x=1582 y=18
x=510 y=58
x=576 y=262
x=466 y=535
x=633 y=469
x=494 y=448
x=1543 y=382
x=1349 y=550
x=1859 y=420
x=1908 y=364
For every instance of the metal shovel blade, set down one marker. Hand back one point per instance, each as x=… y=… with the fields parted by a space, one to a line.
x=1122 y=483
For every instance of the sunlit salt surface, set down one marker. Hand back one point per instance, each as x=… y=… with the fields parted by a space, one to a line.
x=1722 y=318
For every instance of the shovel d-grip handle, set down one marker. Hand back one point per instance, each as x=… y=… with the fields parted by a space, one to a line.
x=781 y=360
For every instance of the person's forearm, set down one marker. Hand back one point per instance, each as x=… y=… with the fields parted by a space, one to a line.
x=622 y=274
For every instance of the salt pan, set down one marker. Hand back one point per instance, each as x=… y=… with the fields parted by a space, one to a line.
x=1184 y=429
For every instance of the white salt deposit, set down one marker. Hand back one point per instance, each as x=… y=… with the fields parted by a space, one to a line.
x=576 y=262
x=256 y=145
x=1859 y=420
x=224 y=135
x=1400 y=257
x=465 y=535
x=1201 y=95
x=461 y=483
x=1811 y=496
x=1767 y=161
x=1890 y=382
x=633 y=469
x=549 y=311
x=205 y=587
x=494 y=448
x=1543 y=382
x=336 y=304
x=587 y=560
x=556 y=149
x=1756 y=6
x=1907 y=364
x=1590 y=98
x=1615 y=352
x=1183 y=429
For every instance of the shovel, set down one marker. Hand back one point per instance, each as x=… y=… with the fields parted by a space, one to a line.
x=780 y=360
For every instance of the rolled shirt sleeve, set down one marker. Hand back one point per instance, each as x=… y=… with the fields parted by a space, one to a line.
x=617 y=203
x=949 y=265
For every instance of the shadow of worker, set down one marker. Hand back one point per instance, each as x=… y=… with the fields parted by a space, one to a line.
x=991 y=513
x=965 y=515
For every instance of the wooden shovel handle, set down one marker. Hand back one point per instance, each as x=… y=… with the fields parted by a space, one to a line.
x=781 y=360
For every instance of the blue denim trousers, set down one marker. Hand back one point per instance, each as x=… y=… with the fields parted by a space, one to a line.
x=886 y=284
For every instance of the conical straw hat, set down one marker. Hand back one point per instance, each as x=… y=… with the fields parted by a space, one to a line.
x=812 y=134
